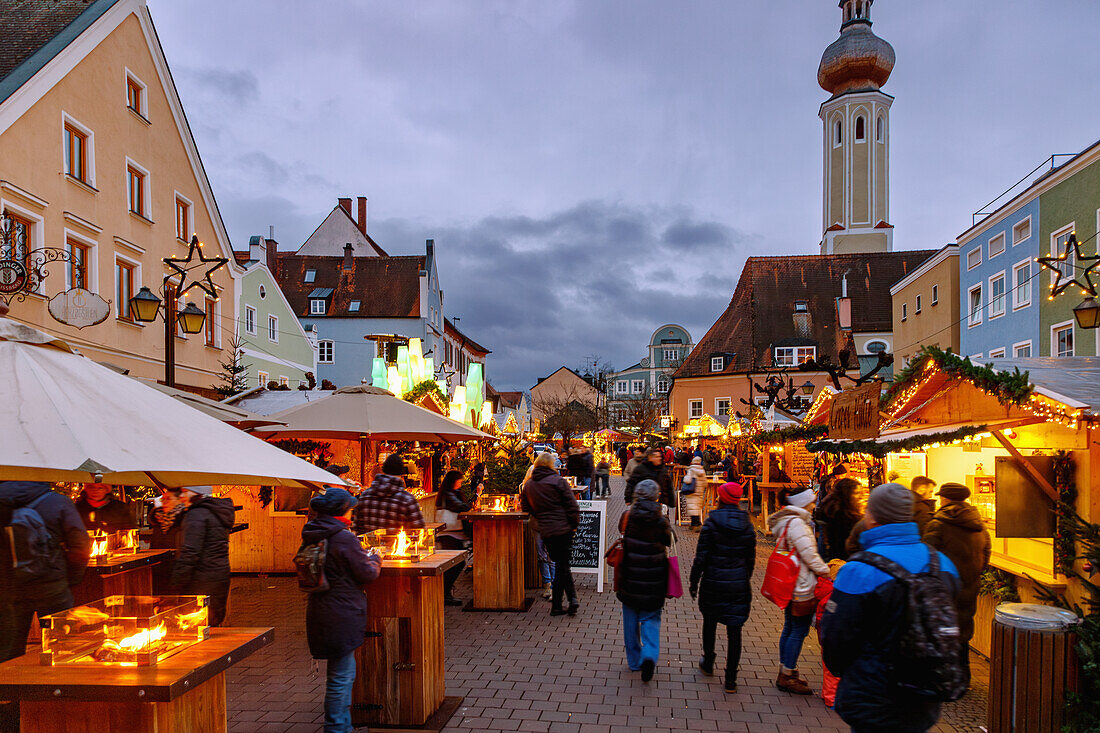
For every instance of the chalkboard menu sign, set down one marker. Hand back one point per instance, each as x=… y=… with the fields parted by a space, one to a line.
x=588 y=541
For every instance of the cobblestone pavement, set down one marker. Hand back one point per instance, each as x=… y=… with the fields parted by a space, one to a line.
x=531 y=672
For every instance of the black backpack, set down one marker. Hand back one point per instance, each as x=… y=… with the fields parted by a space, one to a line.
x=925 y=660
x=35 y=551
x=309 y=561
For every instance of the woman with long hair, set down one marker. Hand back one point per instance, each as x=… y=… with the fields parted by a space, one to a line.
x=836 y=516
x=448 y=505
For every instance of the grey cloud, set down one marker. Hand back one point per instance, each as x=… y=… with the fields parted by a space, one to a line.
x=239 y=87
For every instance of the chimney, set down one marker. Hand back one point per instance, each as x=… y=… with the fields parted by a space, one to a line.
x=429 y=246
x=347 y=264
x=257 y=249
x=363 y=214
x=345 y=204
x=271 y=231
x=272 y=248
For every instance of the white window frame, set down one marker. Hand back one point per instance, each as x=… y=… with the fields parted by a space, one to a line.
x=718 y=402
x=916 y=304
x=89 y=148
x=989 y=245
x=974 y=357
x=855 y=128
x=997 y=353
x=284 y=381
x=189 y=225
x=717 y=363
x=885 y=346
x=935 y=294
x=263 y=378
x=314 y=309
x=309 y=276
x=1017 y=225
x=135 y=286
x=837 y=132
x=969 y=257
x=91 y=266
x=880 y=129
x=1054 y=330
x=272 y=328
x=321 y=351
x=637 y=386
x=250 y=316
x=974 y=315
x=1018 y=302
x=662 y=385
x=904 y=314
x=671 y=354
x=354 y=306
x=793 y=358
x=692 y=405
x=146 y=190
x=143 y=104
x=1019 y=345
x=994 y=312
x=622 y=386
x=1068 y=229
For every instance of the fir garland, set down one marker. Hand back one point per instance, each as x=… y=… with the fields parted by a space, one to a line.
x=791 y=434
x=1065 y=545
x=428 y=386
x=877 y=449
x=1000 y=585
x=1010 y=388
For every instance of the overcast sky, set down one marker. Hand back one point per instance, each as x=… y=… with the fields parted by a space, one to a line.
x=592 y=170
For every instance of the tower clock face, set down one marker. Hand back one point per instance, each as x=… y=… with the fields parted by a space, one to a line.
x=13 y=276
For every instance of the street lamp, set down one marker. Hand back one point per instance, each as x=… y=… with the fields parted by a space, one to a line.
x=1087 y=313
x=808 y=387
x=145 y=306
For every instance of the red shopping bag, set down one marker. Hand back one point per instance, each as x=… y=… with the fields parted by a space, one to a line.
x=782 y=572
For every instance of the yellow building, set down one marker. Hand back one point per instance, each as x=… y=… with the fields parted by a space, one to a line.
x=926 y=306
x=97 y=161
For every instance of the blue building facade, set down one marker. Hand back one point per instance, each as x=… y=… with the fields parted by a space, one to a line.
x=668 y=347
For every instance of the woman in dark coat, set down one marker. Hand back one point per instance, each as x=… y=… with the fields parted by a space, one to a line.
x=837 y=516
x=201 y=567
x=448 y=505
x=721 y=573
x=652 y=469
x=642 y=577
x=547 y=497
x=336 y=619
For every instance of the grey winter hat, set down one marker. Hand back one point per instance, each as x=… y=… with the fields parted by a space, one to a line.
x=890 y=504
x=647 y=489
x=203 y=490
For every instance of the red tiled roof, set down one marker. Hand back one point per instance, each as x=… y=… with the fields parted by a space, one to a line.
x=28 y=25
x=511 y=399
x=761 y=312
x=242 y=258
x=386 y=287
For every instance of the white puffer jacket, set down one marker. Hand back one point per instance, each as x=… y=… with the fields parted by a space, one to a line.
x=694 y=502
x=800 y=537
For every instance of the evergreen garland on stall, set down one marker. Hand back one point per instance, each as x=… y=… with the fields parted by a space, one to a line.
x=1000 y=585
x=1065 y=546
x=428 y=386
x=880 y=449
x=1010 y=388
x=791 y=434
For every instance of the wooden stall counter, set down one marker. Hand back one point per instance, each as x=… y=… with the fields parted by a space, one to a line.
x=184 y=693
x=400 y=676
x=499 y=568
x=130 y=574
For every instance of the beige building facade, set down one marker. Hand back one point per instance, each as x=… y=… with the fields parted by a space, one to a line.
x=559 y=389
x=99 y=161
x=926 y=306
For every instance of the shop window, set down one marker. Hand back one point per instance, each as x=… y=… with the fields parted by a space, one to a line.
x=325 y=352
x=695 y=409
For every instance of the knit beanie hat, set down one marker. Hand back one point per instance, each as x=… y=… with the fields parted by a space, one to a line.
x=647 y=489
x=891 y=504
x=394 y=466
x=332 y=501
x=730 y=493
x=802 y=498
x=954 y=492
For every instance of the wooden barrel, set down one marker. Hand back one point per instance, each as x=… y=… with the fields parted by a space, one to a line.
x=1030 y=669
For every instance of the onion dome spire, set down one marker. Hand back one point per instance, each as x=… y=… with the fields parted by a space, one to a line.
x=858 y=60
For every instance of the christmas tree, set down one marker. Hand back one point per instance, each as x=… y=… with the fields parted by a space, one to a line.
x=506 y=467
x=234 y=376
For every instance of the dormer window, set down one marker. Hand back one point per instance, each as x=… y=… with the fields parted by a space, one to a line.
x=353 y=306
x=801 y=306
x=317 y=307
x=311 y=275
x=793 y=355
x=717 y=363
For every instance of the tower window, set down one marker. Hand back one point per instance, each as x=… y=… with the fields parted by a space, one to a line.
x=860 y=133
x=838 y=134
x=880 y=130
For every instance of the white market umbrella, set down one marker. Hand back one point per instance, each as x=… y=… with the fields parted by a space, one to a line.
x=66 y=418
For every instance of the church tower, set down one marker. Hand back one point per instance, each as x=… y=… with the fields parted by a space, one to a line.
x=856 y=136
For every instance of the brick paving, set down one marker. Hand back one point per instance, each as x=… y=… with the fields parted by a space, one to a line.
x=531 y=672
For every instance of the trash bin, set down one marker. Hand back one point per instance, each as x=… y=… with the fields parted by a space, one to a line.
x=1031 y=667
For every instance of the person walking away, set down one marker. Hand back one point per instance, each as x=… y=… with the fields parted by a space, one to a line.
x=720 y=576
x=549 y=500
x=46 y=549
x=793 y=529
x=336 y=619
x=202 y=560
x=623 y=455
x=867 y=614
x=588 y=463
x=448 y=505
x=957 y=530
x=693 y=489
x=840 y=471
x=924 y=506
x=643 y=577
x=652 y=469
x=385 y=504
x=102 y=512
x=603 y=480
x=836 y=517
x=638 y=457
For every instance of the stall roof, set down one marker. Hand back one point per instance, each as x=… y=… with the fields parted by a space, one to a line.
x=268 y=402
x=1072 y=380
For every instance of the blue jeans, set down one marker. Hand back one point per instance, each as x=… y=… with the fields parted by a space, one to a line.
x=341 y=676
x=794 y=633
x=641 y=636
x=546 y=565
x=603 y=485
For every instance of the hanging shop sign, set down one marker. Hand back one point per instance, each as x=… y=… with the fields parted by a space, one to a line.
x=853 y=414
x=79 y=307
x=13 y=276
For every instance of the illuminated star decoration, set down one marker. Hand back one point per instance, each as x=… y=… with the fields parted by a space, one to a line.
x=180 y=265
x=1061 y=281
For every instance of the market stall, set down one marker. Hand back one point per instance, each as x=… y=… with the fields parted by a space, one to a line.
x=499 y=555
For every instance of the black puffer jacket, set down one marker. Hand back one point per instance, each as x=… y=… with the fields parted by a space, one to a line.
x=548 y=497
x=723 y=565
x=647 y=470
x=643 y=582
x=204 y=542
x=63 y=522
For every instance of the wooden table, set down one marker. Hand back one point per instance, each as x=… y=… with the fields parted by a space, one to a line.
x=499 y=576
x=400 y=678
x=182 y=694
x=130 y=575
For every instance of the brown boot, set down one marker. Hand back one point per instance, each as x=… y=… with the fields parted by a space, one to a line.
x=793 y=684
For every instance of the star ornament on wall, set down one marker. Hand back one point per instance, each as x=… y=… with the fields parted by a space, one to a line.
x=183 y=265
x=1087 y=280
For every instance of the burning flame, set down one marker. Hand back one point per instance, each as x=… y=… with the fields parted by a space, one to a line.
x=99 y=544
x=498 y=504
x=143 y=639
x=401 y=546
x=87 y=615
x=195 y=618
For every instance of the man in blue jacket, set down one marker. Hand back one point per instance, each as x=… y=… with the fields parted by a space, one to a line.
x=866 y=614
